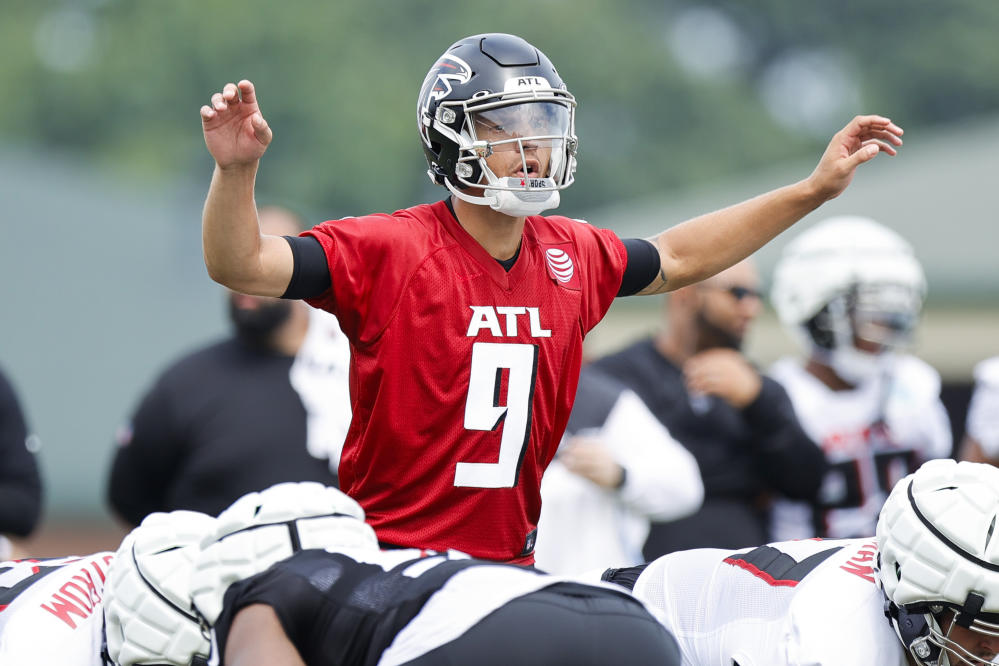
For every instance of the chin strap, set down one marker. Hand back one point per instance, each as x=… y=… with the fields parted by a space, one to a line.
x=513 y=202
x=914 y=631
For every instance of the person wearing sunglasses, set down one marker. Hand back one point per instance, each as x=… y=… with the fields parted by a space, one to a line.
x=739 y=425
x=850 y=291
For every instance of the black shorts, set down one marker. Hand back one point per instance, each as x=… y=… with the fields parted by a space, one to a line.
x=565 y=623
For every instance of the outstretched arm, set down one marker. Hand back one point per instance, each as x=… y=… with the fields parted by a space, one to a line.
x=237 y=255
x=705 y=245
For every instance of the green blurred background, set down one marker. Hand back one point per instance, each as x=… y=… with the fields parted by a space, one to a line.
x=683 y=107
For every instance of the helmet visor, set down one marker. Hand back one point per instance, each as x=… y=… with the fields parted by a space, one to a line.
x=502 y=127
x=528 y=140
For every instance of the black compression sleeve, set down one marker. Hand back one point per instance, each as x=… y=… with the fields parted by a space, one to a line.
x=643 y=266
x=311 y=274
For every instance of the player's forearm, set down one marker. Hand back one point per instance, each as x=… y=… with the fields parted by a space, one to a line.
x=708 y=244
x=230 y=231
x=257 y=638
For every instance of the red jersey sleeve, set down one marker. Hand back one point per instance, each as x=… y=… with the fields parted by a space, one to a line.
x=370 y=259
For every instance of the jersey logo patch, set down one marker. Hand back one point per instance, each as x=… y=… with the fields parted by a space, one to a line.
x=561 y=265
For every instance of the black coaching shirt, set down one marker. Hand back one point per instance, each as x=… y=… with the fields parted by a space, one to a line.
x=20 y=481
x=742 y=454
x=220 y=423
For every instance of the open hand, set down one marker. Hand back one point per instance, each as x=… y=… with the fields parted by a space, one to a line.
x=236 y=133
x=860 y=141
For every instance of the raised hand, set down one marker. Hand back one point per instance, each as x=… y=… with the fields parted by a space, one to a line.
x=236 y=133
x=860 y=141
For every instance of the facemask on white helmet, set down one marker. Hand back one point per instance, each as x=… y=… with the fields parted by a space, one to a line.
x=857 y=333
x=849 y=289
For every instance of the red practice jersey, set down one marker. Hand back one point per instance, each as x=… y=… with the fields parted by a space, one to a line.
x=463 y=374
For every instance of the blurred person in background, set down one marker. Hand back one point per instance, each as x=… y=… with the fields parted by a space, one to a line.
x=850 y=290
x=466 y=317
x=981 y=434
x=20 y=480
x=616 y=469
x=268 y=404
x=738 y=424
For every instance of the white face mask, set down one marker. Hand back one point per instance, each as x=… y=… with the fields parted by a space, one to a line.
x=857 y=367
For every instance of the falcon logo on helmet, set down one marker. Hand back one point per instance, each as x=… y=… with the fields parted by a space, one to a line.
x=448 y=69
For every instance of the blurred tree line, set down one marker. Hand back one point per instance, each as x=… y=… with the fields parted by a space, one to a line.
x=670 y=92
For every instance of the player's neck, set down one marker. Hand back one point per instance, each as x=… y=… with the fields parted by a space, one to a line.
x=827 y=376
x=498 y=234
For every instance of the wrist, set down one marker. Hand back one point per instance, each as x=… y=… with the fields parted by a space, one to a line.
x=751 y=392
x=811 y=193
x=238 y=169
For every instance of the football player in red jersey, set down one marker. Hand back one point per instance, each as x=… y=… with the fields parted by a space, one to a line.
x=466 y=317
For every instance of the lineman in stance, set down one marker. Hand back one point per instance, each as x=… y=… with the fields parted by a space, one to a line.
x=923 y=592
x=292 y=575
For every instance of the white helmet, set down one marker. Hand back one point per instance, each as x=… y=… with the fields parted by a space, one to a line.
x=147 y=603
x=939 y=552
x=848 y=277
x=262 y=528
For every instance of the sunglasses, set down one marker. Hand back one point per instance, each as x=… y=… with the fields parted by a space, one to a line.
x=739 y=292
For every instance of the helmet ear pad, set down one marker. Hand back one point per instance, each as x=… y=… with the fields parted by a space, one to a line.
x=820 y=329
x=833 y=325
x=914 y=630
x=445 y=152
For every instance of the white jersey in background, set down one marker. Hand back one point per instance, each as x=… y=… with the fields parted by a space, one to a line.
x=796 y=603
x=51 y=610
x=584 y=526
x=983 y=412
x=872 y=436
x=319 y=375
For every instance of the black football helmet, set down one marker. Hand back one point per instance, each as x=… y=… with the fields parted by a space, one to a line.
x=495 y=93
